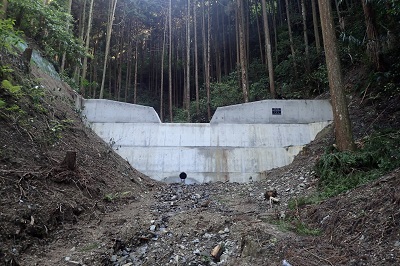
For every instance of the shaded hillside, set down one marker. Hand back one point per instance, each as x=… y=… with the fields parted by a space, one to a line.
x=38 y=196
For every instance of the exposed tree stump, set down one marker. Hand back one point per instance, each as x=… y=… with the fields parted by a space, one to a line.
x=26 y=59
x=69 y=161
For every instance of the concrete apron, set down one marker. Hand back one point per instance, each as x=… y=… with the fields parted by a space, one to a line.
x=235 y=147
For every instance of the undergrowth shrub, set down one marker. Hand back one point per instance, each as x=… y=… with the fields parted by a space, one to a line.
x=13 y=90
x=341 y=171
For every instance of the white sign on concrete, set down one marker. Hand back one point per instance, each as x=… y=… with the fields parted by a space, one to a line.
x=240 y=143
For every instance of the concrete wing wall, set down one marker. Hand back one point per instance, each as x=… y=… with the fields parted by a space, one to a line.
x=275 y=112
x=98 y=111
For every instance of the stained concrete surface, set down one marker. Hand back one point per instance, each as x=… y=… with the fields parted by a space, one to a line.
x=241 y=142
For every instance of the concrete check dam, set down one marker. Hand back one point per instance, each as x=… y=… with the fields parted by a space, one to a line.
x=240 y=143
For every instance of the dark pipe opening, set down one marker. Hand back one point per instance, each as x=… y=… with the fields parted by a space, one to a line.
x=182 y=175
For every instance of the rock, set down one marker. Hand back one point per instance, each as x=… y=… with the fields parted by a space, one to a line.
x=216 y=252
x=113 y=258
x=207 y=235
x=224 y=258
x=152 y=228
x=285 y=263
x=397 y=244
x=73 y=263
x=123 y=259
x=163 y=230
x=124 y=253
x=324 y=219
x=196 y=252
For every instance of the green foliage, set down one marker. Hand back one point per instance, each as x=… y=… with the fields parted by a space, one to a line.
x=7 y=33
x=73 y=83
x=303 y=229
x=5 y=70
x=111 y=197
x=15 y=112
x=10 y=94
x=36 y=93
x=47 y=24
x=384 y=84
x=226 y=92
x=56 y=127
x=296 y=225
x=295 y=203
x=341 y=171
x=259 y=90
x=180 y=115
x=318 y=80
x=89 y=247
x=13 y=90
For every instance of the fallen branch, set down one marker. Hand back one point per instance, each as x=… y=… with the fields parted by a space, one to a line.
x=318 y=257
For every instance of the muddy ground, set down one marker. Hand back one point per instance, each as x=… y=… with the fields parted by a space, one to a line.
x=103 y=212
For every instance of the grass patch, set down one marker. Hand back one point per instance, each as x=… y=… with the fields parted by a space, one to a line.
x=89 y=247
x=297 y=226
x=111 y=197
x=303 y=229
x=295 y=203
x=341 y=171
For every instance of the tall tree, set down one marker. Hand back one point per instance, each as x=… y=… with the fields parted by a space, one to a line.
x=268 y=50
x=242 y=51
x=162 y=71
x=87 y=44
x=208 y=85
x=3 y=10
x=373 y=42
x=196 y=59
x=306 y=48
x=291 y=38
x=135 y=81
x=111 y=14
x=170 y=60
x=315 y=23
x=188 y=61
x=343 y=131
x=259 y=36
x=206 y=54
x=68 y=25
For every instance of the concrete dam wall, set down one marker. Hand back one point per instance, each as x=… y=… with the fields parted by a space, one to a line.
x=240 y=143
